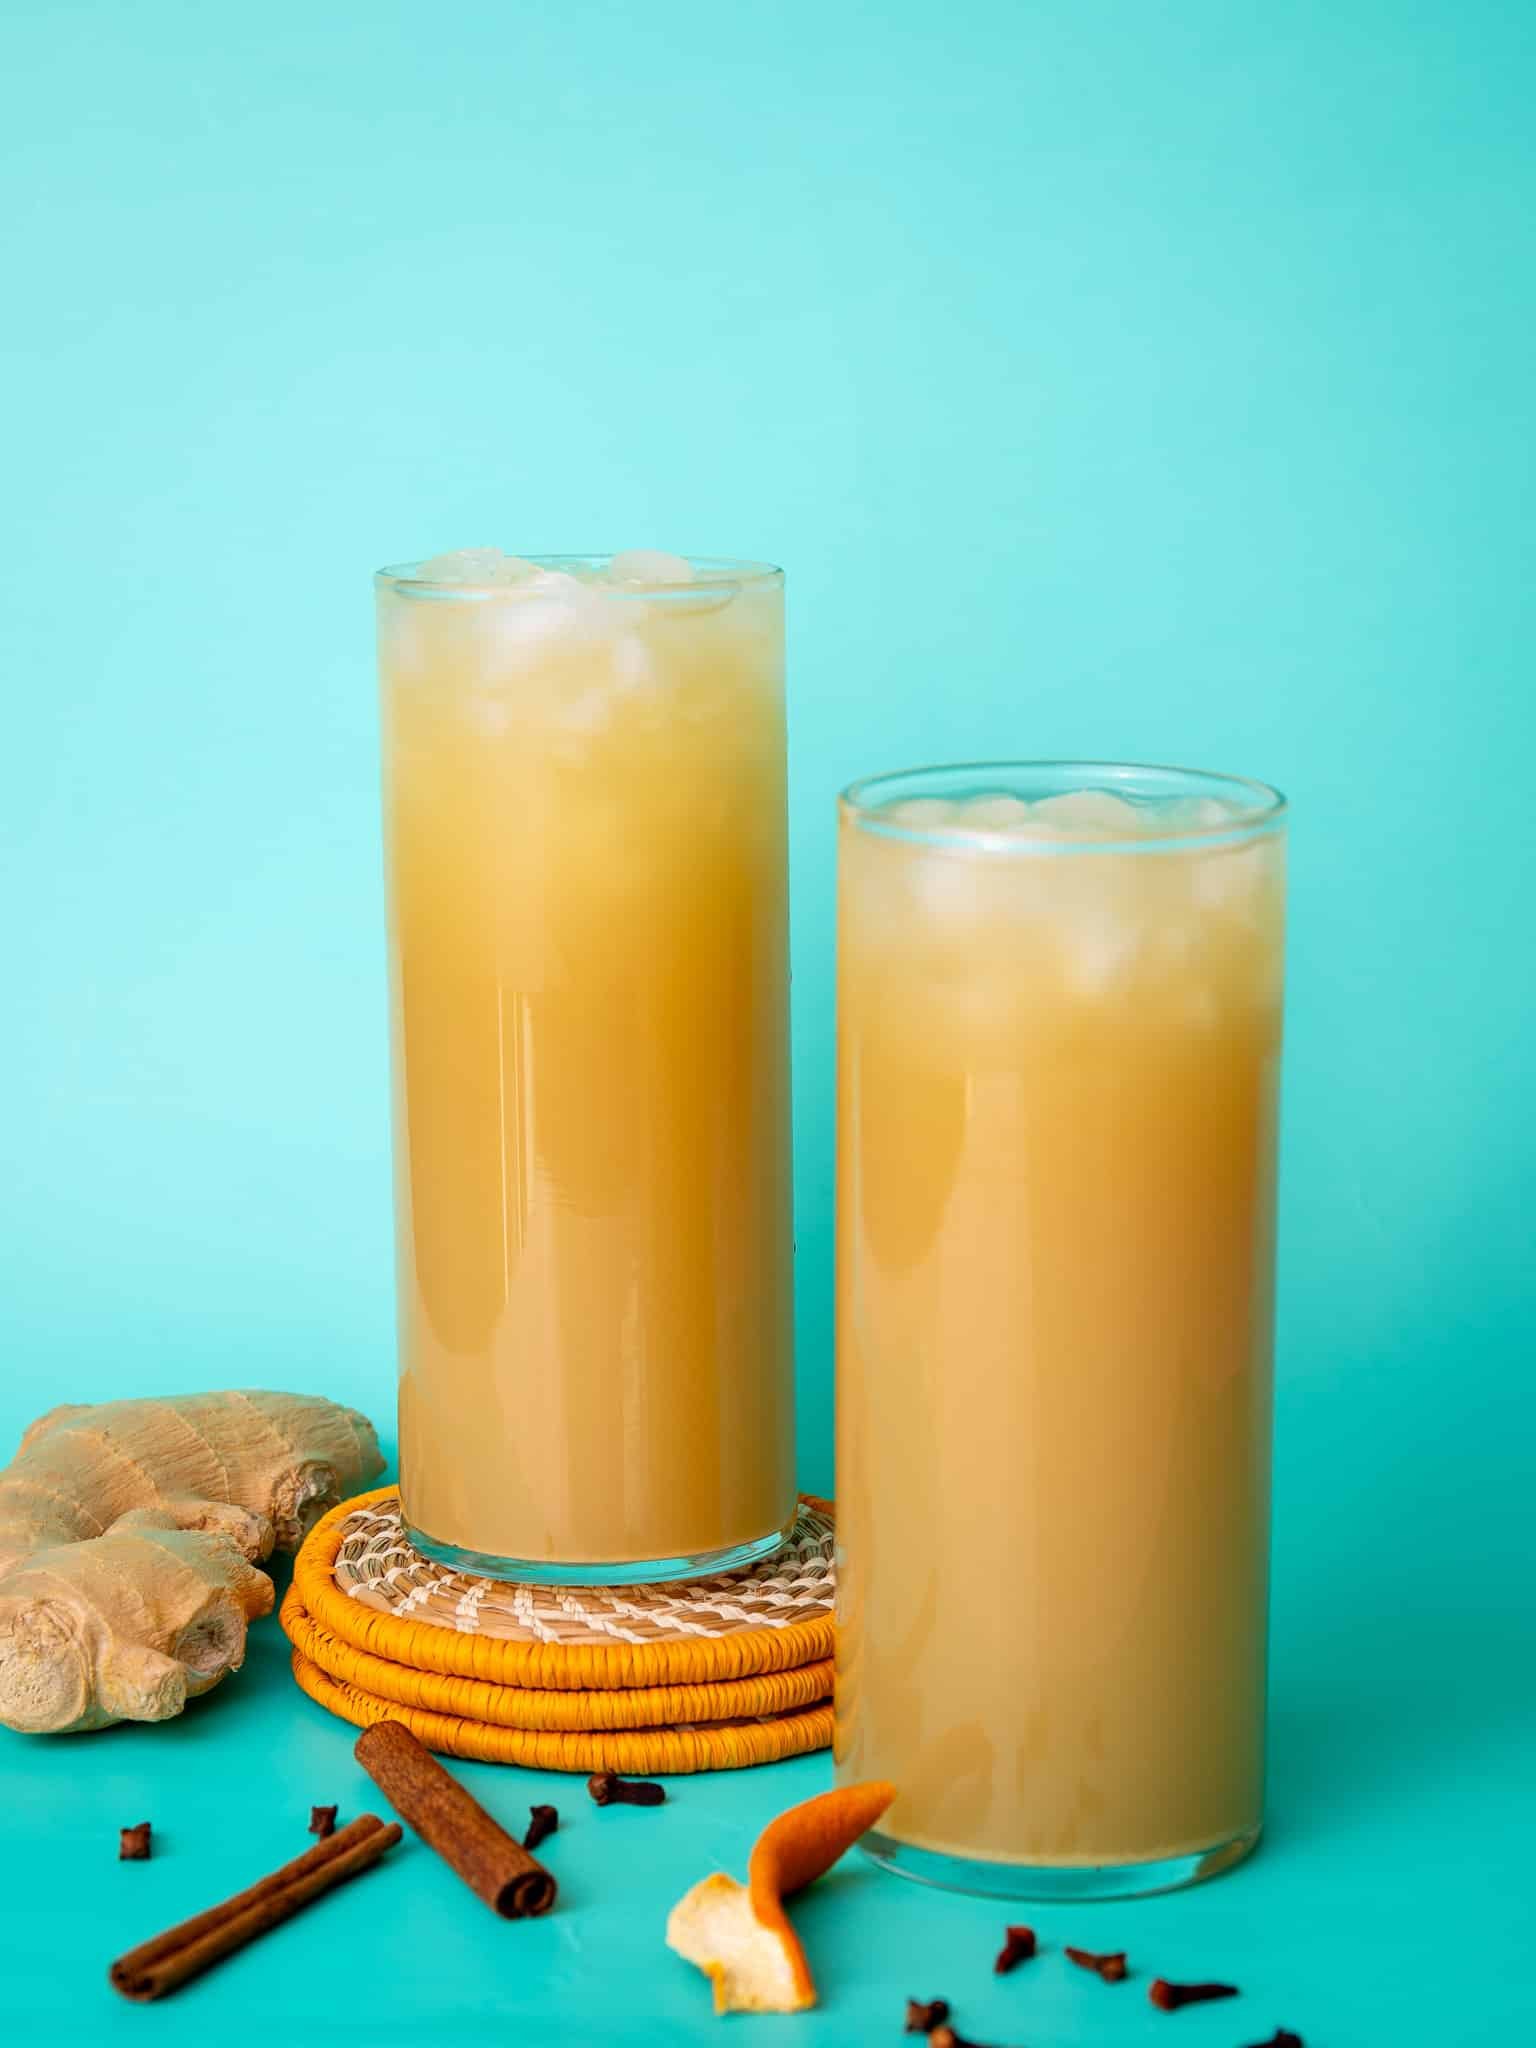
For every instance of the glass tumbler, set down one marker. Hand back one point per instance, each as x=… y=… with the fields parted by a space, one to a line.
x=1059 y=1019
x=584 y=826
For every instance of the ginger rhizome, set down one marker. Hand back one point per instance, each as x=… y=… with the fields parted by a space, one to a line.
x=130 y=1535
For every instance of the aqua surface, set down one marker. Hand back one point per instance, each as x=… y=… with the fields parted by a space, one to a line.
x=1115 y=380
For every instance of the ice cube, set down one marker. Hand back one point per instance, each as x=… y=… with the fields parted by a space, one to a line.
x=948 y=887
x=617 y=671
x=543 y=609
x=1194 y=814
x=633 y=668
x=560 y=584
x=476 y=569
x=638 y=566
x=1227 y=877
x=920 y=813
x=1101 y=945
x=1090 y=814
x=1003 y=814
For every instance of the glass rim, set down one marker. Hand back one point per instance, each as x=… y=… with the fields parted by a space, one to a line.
x=710 y=573
x=1261 y=808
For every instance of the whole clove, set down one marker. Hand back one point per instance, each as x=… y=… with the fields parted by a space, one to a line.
x=1018 y=1946
x=923 y=2017
x=1169 y=1997
x=322 y=1821
x=946 y=2037
x=543 y=1824
x=1282 y=2037
x=133 y=1843
x=609 y=1789
x=1111 y=1968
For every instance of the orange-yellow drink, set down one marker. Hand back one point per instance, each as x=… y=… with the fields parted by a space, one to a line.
x=1059 y=1006
x=584 y=802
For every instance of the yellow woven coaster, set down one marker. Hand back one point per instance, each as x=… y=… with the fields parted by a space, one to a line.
x=359 y=1581
x=720 y=1746
x=529 y=1707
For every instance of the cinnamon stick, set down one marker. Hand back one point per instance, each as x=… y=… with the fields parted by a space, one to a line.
x=170 y=1959
x=511 y=1882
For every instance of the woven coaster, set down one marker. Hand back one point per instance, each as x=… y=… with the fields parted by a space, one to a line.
x=531 y=1707
x=358 y=1579
x=711 y=1674
x=721 y=1746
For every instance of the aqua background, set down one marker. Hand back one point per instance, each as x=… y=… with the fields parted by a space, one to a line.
x=1128 y=379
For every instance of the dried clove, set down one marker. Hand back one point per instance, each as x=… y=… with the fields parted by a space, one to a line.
x=946 y=2037
x=1111 y=1967
x=322 y=1821
x=1018 y=1946
x=133 y=1843
x=1282 y=2037
x=1169 y=1997
x=923 y=2018
x=609 y=1789
x=543 y=1824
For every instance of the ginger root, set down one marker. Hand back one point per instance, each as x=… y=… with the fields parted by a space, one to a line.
x=130 y=1533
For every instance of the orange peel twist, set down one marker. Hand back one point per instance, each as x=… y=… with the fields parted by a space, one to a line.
x=740 y=1935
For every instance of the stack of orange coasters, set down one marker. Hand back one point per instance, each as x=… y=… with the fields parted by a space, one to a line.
x=705 y=1675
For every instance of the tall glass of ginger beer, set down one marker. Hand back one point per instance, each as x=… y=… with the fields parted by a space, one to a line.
x=1059 y=1011
x=584 y=826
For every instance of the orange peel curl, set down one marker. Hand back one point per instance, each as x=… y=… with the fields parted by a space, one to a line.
x=740 y=1935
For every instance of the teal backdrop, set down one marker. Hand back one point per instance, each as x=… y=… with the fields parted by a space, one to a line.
x=1112 y=379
